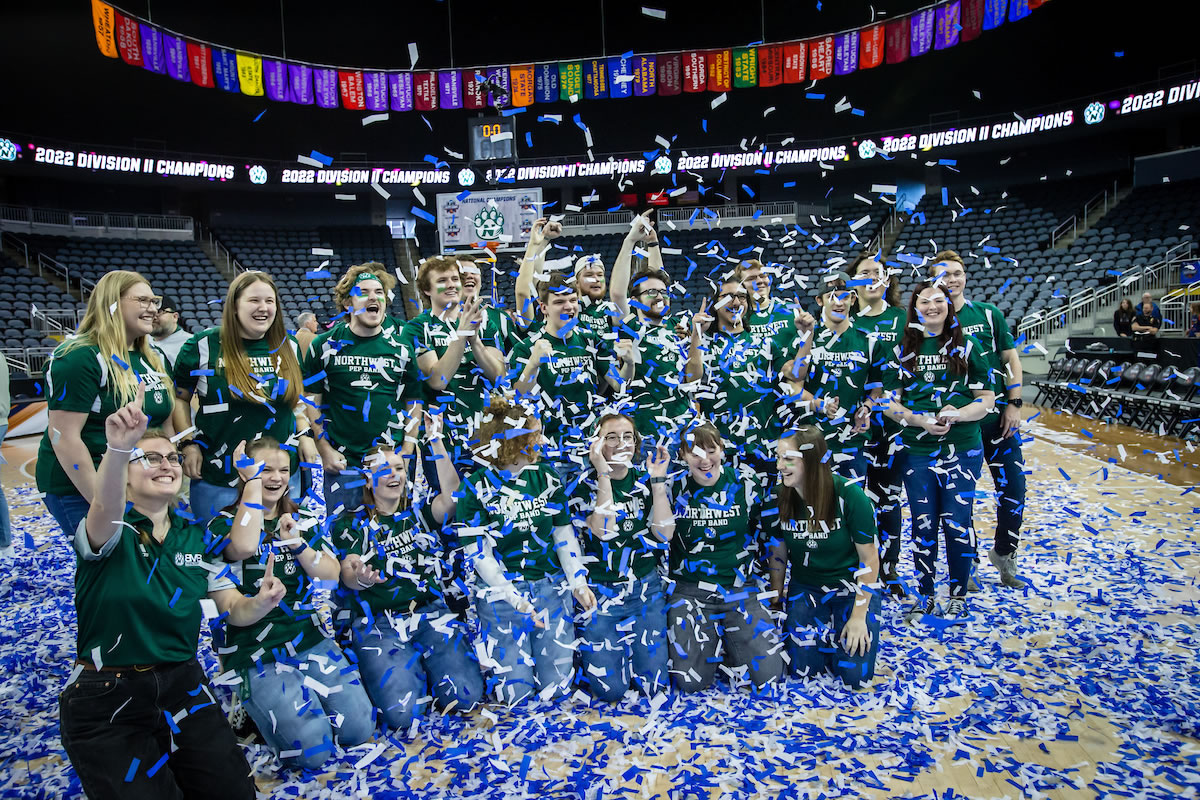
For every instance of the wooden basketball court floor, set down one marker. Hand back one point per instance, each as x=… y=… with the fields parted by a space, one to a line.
x=1085 y=685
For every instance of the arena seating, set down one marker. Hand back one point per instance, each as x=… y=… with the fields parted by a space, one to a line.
x=23 y=289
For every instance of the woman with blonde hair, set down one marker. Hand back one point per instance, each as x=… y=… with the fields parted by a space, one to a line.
x=246 y=374
x=91 y=375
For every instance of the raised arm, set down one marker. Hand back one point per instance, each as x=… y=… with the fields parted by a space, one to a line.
x=531 y=266
x=123 y=429
x=448 y=479
x=618 y=284
x=662 y=516
x=695 y=363
x=246 y=532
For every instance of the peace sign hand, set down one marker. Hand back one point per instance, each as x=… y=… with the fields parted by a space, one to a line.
x=701 y=320
x=125 y=427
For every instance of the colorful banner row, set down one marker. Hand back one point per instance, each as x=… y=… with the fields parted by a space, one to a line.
x=938 y=27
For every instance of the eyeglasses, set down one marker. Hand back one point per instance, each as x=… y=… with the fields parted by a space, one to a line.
x=614 y=439
x=734 y=295
x=147 y=302
x=654 y=293
x=155 y=459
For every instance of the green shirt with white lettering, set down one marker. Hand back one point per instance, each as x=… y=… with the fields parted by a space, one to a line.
x=823 y=557
x=716 y=529
x=79 y=380
x=986 y=323
x=406 y=548
x=629 y=548
x=467 y=391
x=569 y=381
x=885 y=329
x=659 y=375
x=841 y=366
x=740 y=390
x=777 y=323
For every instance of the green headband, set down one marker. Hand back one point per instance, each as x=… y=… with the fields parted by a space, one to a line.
x=365 y=276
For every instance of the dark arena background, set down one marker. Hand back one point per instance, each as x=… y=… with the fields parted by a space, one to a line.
x=1055 y=146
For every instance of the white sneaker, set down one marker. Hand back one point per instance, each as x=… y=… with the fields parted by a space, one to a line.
x=1007 y=565
x=956 y=608
x=8 y=553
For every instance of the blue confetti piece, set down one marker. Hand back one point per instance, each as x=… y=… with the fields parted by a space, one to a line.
x=858 y=112
x=814 y=95
x=529 y=139
x=945 y=196
x=579 y=123
x=175 y=597
x=1064 y=474
x=545 y=118
x=425 y=215
x=260 y=115
x=704 y=125
x=120 y=363
x=508 y=112
x=318 y=156
x=133 y=768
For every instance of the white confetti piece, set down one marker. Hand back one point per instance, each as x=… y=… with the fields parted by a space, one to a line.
x=719 y=99
x=655 y=13
x=371 y=119
x=311 y=162
x=322 y=251
x=384 y=193
x=345 y=197
x=412 y=55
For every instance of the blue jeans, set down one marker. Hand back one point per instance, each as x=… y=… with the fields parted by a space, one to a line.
x=206 y=500
x=851 y=463
x=1007 y=465
x=430 y=654
x=885 y=484
x=814 y=627
x=349 y=491
x=524 y=658
x=941 y=491
x=626 y=639
x=294 y=719
x=5 y=522
x=68 y=511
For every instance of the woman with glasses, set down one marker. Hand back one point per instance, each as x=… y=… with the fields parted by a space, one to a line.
x=246 y=374
x=138 y=718
x=624 y=517
x=90 y=376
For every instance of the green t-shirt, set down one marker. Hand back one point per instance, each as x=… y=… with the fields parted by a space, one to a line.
x=885 y=329
x=740 y=389
x=518 y=514
x=841 y=366
x=140 y=603
x=569 y=381
x=716 y=530
x=405 y=547
x=364 y=383
x=598 y=317
x=777 y=323
x=78 y=381
x=632 y=548
x=224 y=419
x=928 y=386
x=659 y=401
x=467 y=391
x=291 y=627
x=987 y=324
x=826 y=558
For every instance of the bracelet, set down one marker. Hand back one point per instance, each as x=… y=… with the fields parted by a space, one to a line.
x=651 y=244
x=295 y=551
x=658 y=479
x=190 y=443
x=119 y=450
x=306 y=432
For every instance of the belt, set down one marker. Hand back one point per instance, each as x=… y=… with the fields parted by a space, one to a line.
x=88 y=666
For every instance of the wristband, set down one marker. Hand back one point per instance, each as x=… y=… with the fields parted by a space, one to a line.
x=651 y=244
x=306 y=432
x=295 y=551
x=1016 y=402
x=119 y=450
x=658 y=479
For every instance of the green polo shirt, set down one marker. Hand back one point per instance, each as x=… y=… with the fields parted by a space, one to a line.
x=78 y=380
x=139 y=603
x=569 y=380
x=841 y=366
x=716 y=530
x=405 y=547
x=826 y=557
x=631 y=549
x=291 y=627
x=519 y=515
x=224 y=419
x=986 y=323
x=364 y=383
x=659 y=401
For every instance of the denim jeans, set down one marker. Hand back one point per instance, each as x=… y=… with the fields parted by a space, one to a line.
x=295 y=718
x=626 y=639
x=885 y=483
x=5 y=521
x=851 y=463
x=525 y=659
x=155 y=734
x=349 y=491
x=941 y=491
x=814 y=627
x=68 y=511
x=1007 y=464
x=206 y=500
x=699 y=620
x=430 y=654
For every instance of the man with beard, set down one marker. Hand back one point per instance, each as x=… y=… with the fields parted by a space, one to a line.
x=596 y=313
x=168 y=336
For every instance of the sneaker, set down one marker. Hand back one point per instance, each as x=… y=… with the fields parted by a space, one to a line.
x=973 y=585
x=921 y=608
x=1008 y=569
x=892 y=583
x=8 y=553
x=956 y=608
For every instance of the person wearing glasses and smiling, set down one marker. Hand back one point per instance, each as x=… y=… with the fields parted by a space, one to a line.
x=90 y=376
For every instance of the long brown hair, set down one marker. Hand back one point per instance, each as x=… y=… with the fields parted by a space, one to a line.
x=493 y=441
x=950 y=340
x=285 y=504
x=372 y=461
x=233 y=352
x=815 y=502
x=891 y=295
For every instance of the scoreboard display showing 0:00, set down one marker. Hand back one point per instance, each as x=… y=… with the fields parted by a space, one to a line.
x=492 y=139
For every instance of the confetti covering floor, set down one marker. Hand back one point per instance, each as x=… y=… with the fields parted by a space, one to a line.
x=1086 y=685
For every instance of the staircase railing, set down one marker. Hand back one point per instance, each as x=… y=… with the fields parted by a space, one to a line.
x=204 y=234
x=1077 y=223
x=59 y=321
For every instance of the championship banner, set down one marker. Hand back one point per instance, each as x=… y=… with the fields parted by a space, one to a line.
x=250 y=74
x=720 y=73
x=820 y=58
x=770 y=65
x=972 y=19
x=993 y=14
x=620 y=76
x=946 y=27
x=595 y=79
x=350 y=88
x=129 y=41
x=176 y=55
x=472 y=93
x=496 y=216
x=104 y=21
x=871 y=47
x=225 y=69
x=921 y=35
x=545 y=83
x=695 y=74
x=896 y=41
x=325 y=87
x=425 y=91
x=152 y=52
x=520 y=86
x=570 y=80
x=375 y=91
x=400 y=91
x=1018 y=9
x=275 y=79
x=450 y=89
x=498 y=76
x=200 y=64
x=669 y=74
x=645 y=74
x=795 y=62
x=845 y=53
x=300 y=84
x=745 y=67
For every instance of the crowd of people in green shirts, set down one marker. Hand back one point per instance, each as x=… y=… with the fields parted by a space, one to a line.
x=587 y=488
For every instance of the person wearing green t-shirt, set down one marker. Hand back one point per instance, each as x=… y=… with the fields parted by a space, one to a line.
x=246 y=376
x=410 y=645
x=938 y=391
x=280 y=652
x=716 y=595
x=361 y=378
x=767 y=317
x=596 y=313
x=498 y=322
x=137 y=717
x=1001 y=430
x=514 y=523
x=824 y=526
x=90 y=376
x=560 y=369
x=624 y=517
x=882 y=316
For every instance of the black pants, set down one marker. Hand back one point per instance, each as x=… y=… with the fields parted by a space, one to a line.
x=115 y=731
x=884 y=486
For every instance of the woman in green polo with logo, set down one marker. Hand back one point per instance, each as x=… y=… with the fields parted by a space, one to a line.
x=294 y=679
x=138 y=718
x=90 y=376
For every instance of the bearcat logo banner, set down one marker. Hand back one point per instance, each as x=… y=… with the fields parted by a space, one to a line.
x=938 y=26
x=499 y=216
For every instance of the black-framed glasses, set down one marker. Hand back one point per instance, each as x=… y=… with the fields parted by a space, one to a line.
x=735 y=296
x=654 y=293
x=155 y=459
x=614 y=439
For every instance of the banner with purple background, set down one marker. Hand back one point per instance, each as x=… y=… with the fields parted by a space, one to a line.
x=175 y=54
